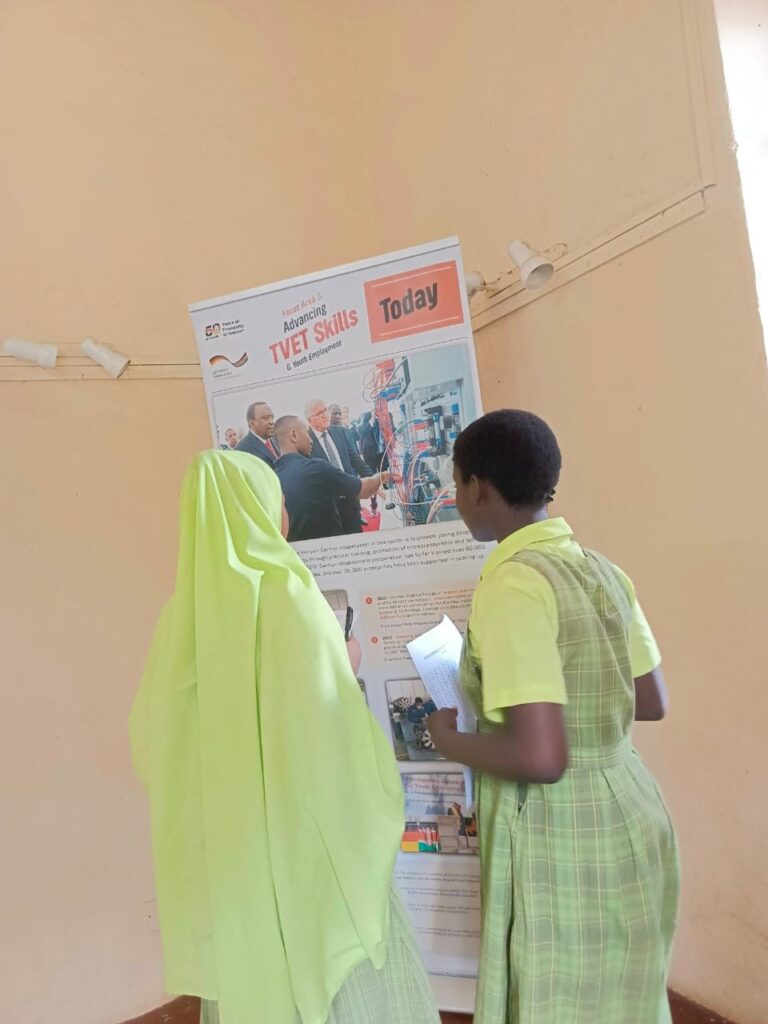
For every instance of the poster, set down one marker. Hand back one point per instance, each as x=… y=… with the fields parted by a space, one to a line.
x=370 y=368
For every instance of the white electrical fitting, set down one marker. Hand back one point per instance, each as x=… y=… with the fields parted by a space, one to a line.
x=39 y=352
x=535 y=270
x=474 y=282
x=115 y=363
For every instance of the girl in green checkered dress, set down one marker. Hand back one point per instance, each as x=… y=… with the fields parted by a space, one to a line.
x=580 y=876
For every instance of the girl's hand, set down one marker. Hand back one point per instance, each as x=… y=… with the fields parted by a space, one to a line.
x=441 y=725
x=355 y=653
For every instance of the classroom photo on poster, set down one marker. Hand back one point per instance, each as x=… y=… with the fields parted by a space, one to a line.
x=409 y=707
x=438 y=818
x=345 y=613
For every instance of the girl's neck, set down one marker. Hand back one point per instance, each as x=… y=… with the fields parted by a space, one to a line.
x=513 y=519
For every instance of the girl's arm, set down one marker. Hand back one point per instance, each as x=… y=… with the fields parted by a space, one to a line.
x=650 y=697
x=530 y=746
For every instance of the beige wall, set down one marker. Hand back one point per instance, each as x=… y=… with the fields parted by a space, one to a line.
x=557 y=121
x=160 y=153
x=167 y=152
x=154 y=154
x=578 y=117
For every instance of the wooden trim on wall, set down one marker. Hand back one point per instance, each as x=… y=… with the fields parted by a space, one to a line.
x=503 y=296
x=74 y=367
x=186 y=1010
x=507 y=293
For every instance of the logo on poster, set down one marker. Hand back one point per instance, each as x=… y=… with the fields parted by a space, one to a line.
x=415 y=301
x=223 y=366
x=212 y=331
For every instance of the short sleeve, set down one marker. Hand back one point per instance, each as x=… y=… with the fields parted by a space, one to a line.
x=513 y=631
x=643 y=649
x=339 y=483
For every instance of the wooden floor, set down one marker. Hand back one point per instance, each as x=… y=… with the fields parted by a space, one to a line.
x=683 y=1012
x=186 y=1010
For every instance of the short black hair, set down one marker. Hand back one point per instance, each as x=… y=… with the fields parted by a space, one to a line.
x=515 y=451
x=286 y=423
x=251 y=410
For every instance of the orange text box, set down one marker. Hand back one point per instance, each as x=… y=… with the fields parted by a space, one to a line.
x=414 y=301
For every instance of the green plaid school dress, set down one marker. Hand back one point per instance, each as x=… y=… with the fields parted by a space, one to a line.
x=399 y=993
x=579 y=878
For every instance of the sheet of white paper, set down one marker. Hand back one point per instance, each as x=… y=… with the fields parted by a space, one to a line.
x=436 y=655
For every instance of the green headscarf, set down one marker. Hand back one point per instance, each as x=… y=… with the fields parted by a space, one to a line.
x=277 y=808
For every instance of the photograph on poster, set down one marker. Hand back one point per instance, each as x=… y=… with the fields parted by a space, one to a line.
x=409 y=707
x=339 y=602
x=399 y=415
x=437 y=818
x=230 y=437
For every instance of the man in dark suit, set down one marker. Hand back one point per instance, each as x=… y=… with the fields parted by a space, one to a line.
x=259 y=439
x=368 y=446
x=335 y=444
x=346 y=443
x=347 y=422
x=313 y=488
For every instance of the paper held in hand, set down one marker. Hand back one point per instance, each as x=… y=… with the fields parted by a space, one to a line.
x=436 y=655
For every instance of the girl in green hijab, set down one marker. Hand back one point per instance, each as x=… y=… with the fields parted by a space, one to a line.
x=277 y=808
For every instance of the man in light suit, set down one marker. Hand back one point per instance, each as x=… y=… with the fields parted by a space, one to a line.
x=335 y=444
x=259 y=439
